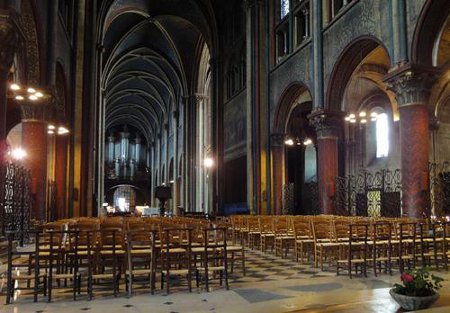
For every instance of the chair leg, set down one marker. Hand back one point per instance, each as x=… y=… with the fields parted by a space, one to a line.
x=129 y=281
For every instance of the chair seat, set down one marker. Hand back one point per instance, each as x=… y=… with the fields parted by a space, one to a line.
x=103 y=276
x=135 y=252
x=110 y=252
x=64 y=275
x=285 y=238
x=211 y=268
x=234 y=248
x=176 y=272
x=173 y=250
x=143 y=271
x=27 y=276
x=353 y=261
x=328 y=244
x=304 y=240
x=201 y=249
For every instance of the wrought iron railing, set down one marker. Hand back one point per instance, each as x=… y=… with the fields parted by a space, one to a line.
x=369 y=194
x=15 y=200
x=439 y=188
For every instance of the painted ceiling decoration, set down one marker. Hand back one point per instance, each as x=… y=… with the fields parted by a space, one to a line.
x=144 y=73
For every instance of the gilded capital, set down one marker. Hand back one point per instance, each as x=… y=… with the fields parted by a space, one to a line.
x=326 y=124
x=411 y=85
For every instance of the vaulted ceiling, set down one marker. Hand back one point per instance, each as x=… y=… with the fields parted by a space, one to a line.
x=151 y=53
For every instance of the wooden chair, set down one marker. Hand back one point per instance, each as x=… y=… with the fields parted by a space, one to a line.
x=284 y=236
x=406 y=236
x=356 y=250
x=432 y=244
x=266 y=233
x=57 y=250
x=32 y=268
x=105 y=262
x=322 y=234
x=176 y=256
x=214 y=256
x=141 y=257
x=381 y=244
x=304 y=239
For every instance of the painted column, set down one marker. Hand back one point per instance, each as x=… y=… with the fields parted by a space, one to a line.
x=327 y=130
x=250 y=7
x=35 y=115
x=317 y=39
x=412 y=87
x=8 y=38
x=277 y=145
x=60 y=175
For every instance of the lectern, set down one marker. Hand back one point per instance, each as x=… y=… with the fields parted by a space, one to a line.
x=163 y=193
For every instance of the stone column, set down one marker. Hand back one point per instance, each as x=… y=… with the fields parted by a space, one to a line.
x=60 y=175
x=277 y=145
x=412 y=87
x=175 y=190
x=8 y=38
x=327 y=130
x=35 y=115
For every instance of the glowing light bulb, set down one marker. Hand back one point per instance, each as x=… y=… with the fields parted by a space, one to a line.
x=15 y=87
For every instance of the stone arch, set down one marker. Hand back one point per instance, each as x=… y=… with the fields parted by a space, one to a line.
x=285 y=104
x=344 y=67
x=431 y=18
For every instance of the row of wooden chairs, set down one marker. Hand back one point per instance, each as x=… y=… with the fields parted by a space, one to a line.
x=325 y=238
x=101 y=250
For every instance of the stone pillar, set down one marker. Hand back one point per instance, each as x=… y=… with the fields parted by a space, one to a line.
x=8 y=38
x=277 y=146
x=327 y=130
x=412 y=87
x=175 y=186
x=35 y=115
x=60 y=175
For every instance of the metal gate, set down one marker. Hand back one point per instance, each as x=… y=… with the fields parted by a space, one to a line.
x=369 y=194
x=439 y=188
x=15 y=200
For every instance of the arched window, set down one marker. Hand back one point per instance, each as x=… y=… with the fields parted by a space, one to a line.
x=382 y=135
x=284 y=8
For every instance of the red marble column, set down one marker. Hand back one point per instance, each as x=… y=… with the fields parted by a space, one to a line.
x=277 y=147
x=34 y=142
x=327 y=170
x=412 y=88
x=415 y=147
x=60 y=176
x=327 y=129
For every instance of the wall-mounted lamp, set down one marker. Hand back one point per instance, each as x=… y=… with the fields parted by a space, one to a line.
x=22 y=92
x=361 y=117
x=208 y=162
x=18 y=154
x=297 y=141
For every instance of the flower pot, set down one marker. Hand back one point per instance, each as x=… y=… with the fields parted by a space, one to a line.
x=410 y=303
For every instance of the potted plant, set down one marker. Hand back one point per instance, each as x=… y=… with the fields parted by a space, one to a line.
x=418 y=289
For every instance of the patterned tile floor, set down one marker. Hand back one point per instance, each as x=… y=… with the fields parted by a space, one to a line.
x=271 y=285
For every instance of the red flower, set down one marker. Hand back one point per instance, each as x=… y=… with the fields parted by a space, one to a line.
x=407 y=278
